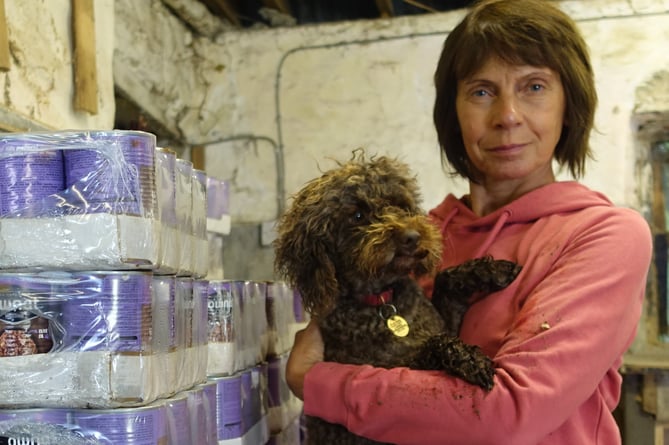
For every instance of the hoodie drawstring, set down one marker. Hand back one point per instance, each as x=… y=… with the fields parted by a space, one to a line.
x=493 y=233
x=447 y=220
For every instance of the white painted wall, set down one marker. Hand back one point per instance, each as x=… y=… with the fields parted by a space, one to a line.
x=320 y=91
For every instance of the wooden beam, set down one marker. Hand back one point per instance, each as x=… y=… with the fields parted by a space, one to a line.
x=228 y=10
x=197 y=156
x=85 y=70
x=385 y=8
x=420 y=5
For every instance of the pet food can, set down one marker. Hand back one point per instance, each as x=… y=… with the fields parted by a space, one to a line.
x=229 y=407
x=36 y=426
x=220 y=322
x=53 y=416
x=275 y=397
x=216 y=199
x=178 y=420
x=184 y=290
x=30 y=314
x=145 y=425
x=30 y=171
x=221 y=338
x=200 y=303
x=199 y=204
x=198 y=415
x=164 y=313
x=209 y=402
x=114 y=171
x=184 y=195
x=166 y=164
x=110 y=311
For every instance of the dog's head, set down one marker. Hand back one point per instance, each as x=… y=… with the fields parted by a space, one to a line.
x=354 y=231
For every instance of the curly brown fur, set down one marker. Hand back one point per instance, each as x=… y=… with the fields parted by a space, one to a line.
x=358 y=231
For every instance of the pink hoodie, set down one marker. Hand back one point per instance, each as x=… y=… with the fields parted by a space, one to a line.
x=557 y=334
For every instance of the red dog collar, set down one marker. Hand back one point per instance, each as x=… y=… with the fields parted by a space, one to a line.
x=384 y=297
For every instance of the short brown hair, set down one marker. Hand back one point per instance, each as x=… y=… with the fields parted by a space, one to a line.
x=527 y=32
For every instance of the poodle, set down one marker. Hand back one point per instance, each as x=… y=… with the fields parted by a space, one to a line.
x=353 y=243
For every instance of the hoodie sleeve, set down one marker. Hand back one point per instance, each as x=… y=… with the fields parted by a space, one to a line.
x=556 y=366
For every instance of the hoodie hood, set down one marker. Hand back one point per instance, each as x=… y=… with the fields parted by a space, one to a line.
x=551 y=199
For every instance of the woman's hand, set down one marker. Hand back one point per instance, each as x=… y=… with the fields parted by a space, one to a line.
x=306 y=352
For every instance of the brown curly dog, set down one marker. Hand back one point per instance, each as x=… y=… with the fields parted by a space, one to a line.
x=352 y=243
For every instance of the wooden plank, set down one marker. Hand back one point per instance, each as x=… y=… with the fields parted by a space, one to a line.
x=197 y=156
x=229 y=11
x=4 y=39
x=658 y=199
x=420 y=5
x=85 y=69
x=385 y=8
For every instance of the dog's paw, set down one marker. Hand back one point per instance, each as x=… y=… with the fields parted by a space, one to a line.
x=453 y=356
x=502 y=273
x=480 y=275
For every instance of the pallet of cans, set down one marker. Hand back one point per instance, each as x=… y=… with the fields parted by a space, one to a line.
x=188 y=418
x=100 y=200
x=223 y=411
x=103 y=339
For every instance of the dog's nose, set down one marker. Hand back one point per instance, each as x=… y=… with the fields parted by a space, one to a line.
x=409 y=240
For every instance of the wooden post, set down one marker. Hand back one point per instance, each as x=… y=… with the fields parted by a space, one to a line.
x=85 y=70
x=197 y=157
x=4 y=39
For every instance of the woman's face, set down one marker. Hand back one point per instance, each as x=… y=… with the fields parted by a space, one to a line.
x=511 y=118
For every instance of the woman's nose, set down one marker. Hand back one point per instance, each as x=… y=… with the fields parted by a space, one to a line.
x=506 y=111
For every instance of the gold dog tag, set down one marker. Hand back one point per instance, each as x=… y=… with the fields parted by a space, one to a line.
x=398 y=326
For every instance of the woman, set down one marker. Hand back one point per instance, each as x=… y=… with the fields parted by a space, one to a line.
x=514 y=95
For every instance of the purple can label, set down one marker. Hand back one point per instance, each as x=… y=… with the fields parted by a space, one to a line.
x=184 y=194
x=198 y=415
x=229 y=407
x=178 y=421
x=53 y=416
x=209 y=390
x=200 y=300
x=132 y=426
x=166 y=186
x=164 y=313
x=27 y=180
x=115 y=173
x=30 y=315
x=219 y=312
x=199 y=204
x=184 y=289
x=109 y=311
x=215 y=204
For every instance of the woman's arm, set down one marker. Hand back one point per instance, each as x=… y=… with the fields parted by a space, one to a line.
x=307 y=350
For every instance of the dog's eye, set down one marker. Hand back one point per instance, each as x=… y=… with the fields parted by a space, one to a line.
x=358 y=217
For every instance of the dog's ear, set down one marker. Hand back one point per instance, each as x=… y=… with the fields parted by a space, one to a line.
x=302 y=256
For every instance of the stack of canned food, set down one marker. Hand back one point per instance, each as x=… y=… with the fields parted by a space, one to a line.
x=109 y=330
